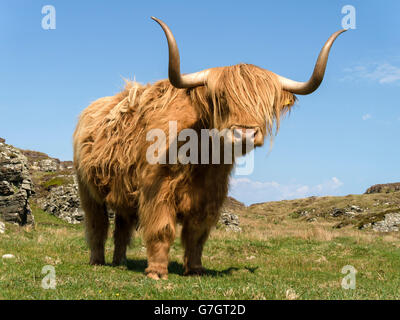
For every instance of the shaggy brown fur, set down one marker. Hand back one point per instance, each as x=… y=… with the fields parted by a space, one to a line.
x=110 y=158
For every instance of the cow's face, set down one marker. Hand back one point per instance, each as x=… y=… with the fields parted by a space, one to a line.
x=248 y=101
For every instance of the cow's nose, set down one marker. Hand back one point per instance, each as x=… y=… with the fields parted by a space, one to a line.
x=258 y=137
x=244 y=135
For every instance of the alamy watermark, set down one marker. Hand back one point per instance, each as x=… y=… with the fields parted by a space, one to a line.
x=49 y=281
x=49 y=20
x=349 y=281
x=198 y=150
x=349 y=20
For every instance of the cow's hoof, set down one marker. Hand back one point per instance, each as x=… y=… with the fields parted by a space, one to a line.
x=153 y=276
x=157 y=272
x=156 y=276
x=195 y=272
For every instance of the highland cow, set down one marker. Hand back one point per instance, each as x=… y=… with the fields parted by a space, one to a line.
x=110 y=148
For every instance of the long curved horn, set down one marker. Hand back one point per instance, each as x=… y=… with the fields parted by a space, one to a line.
x=318 y=74
x=174 y=70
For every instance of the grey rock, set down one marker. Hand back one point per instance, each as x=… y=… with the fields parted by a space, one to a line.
x=49 y=165
x=351 y=214
x=338 y=212
x=304 y=213
x=366 y=226
x=2 y=227
x=63 y=202
x=6 y=188
x=356 y=208
x=230 y=221
x=389 y=224
x=15 y=186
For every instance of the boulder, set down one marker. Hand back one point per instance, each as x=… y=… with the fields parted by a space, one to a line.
x=230 y=221
x=49 y=165
x=389 y=224
x=15 y=186
x=336 y=212
x=356 y=208
x=63 y=202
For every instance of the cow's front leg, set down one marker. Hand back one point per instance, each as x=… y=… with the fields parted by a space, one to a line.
x=159 y=234
x=195 y=232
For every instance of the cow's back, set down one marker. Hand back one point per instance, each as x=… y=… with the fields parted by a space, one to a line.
x=99 y=149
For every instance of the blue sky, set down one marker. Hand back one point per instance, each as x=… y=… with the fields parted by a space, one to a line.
x=339 y=140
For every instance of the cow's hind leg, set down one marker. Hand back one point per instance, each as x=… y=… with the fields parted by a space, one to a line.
x=195 y=233
x=96 y=223
x=125 y=223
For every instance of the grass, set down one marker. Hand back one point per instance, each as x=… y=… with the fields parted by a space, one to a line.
x=273 y=258
x=56 y=182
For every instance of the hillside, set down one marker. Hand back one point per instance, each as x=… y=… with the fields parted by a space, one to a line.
x=365 y=211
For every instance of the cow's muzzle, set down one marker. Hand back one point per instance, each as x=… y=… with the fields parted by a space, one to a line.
x=247 y=135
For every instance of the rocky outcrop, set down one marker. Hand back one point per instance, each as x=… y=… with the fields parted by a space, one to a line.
x=63 y=202
x=49 y=165
x=229 y=218
x=39 y=161
x=389 y=224
x=15 y=186
x=230 y=221
x=383 y=188
x=350 y=211
x=46 y=165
